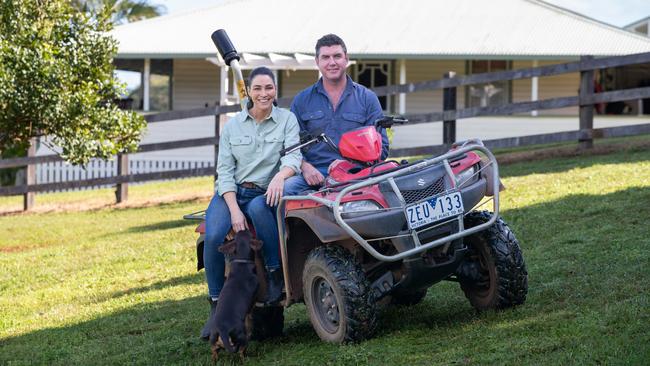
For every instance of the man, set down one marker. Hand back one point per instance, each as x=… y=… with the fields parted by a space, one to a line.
x=334 y=104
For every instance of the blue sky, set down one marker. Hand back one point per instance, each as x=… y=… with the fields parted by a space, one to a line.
x=615 y=12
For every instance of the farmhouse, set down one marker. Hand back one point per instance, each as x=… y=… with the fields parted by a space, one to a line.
x=171 y=63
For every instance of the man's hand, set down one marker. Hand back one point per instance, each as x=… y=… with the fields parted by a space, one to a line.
x=274 y=190
x=238 y=220
x=312 y=176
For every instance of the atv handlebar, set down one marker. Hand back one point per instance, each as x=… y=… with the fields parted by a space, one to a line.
x=389 y=121
x=307 y=139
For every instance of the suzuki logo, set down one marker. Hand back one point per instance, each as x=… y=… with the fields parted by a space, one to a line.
x=421 y=182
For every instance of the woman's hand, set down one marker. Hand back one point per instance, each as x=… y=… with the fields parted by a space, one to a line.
x=275 y=189
x=238 y=220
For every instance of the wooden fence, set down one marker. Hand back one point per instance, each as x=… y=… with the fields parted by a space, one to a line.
x=586 y=99
x=60 y=171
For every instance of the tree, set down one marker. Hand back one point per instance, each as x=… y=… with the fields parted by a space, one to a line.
x=123 y=10
x=56 y=80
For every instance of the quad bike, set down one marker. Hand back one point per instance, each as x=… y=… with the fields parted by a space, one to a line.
x=386 y=231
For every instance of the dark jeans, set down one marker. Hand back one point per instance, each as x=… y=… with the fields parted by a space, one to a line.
x=252 y=202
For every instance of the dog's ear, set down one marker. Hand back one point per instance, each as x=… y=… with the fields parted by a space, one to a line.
x=228 y=247
x=256 y=244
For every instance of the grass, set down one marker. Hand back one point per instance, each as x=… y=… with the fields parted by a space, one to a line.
x=118 y=285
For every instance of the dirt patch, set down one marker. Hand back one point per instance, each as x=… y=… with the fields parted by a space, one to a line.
x=22 y=248
x=90 y=205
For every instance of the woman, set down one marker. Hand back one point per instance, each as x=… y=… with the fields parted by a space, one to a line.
x=250 y=181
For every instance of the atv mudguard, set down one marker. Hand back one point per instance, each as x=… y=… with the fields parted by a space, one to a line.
x=321 y=222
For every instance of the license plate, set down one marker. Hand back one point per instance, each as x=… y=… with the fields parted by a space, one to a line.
x=434 y=209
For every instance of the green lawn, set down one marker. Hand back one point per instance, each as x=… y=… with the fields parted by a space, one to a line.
x=118 y=285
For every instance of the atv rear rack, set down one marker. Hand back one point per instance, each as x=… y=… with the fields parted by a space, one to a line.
x=195 y=216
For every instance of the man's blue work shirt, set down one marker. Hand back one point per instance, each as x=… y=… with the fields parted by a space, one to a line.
x=357 y=107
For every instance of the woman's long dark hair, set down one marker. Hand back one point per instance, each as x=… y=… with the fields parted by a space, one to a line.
x=262 y=70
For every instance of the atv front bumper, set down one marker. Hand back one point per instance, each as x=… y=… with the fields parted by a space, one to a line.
x=330 y=224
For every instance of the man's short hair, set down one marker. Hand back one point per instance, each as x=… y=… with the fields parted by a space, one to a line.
x=330 y=40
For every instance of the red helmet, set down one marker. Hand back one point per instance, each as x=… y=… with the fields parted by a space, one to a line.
x=362 y=144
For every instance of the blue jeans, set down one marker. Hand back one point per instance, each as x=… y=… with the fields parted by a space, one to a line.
x=297 y=184
x=252 y=202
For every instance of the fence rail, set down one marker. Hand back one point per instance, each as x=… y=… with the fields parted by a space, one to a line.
x=117 y=179
x=159 y=146
x=585 y=99
x=547 y=138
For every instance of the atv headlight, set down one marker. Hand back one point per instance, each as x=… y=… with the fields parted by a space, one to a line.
x=466 y=176
x=359 y=206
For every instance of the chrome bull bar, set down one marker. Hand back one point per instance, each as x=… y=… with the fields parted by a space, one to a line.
x=471 y=145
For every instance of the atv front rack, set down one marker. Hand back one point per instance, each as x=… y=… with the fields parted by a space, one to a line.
x=334 y=205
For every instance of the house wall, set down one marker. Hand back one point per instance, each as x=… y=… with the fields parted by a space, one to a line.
x=292 y=82
x=423 y=70
x=565 y=85
x=195 y=84
x=428 y=101
x=416 y=70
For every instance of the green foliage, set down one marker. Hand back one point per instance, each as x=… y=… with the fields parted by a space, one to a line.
x=8 y=175
x=122 y=10
x=56 y=79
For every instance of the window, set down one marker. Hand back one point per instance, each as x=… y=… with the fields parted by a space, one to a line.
x=160 y=85
x=131 y=72
x=495 y=93
x=374 y=74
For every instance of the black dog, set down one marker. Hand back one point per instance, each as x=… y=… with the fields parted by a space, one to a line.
x=230 y=329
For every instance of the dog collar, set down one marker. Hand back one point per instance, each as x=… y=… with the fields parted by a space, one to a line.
x=242 y=261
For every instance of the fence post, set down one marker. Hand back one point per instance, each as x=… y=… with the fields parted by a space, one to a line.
x=28 y=197
x=122 y=189
x=586 y=133
x=449 y=104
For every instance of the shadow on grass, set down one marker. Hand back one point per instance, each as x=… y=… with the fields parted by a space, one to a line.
x=193 y=279
x=152 y=333
x=587 y=259
x=165 y=225
x=166 y=332
x=556 y=165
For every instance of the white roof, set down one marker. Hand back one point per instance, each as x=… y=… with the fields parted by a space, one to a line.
x=382 y=29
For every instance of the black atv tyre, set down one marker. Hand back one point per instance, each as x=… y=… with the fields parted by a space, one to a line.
x=268 y=322
x=502 y=278
x=407 y=298
x=338 y=297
